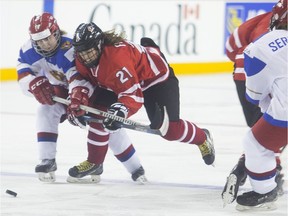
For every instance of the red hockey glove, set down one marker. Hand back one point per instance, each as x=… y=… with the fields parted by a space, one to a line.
x=79 y=96
x=42 y=90
x=117 y=109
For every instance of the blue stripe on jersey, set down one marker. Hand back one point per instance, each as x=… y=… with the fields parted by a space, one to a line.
x=48 y=6
x=30 y=56
x=275 y=122
x=253 y=65
x=256 y=102
x=261 y=176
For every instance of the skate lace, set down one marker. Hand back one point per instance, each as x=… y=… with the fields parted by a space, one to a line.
x=86 y=165
x=204 y=148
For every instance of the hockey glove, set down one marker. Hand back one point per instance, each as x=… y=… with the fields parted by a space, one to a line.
x=76 y=121
x=117 y=109
x=79 y=96
x=42 y=90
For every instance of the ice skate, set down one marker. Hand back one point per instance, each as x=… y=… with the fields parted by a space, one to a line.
x=255 y=201
x=207 y=149
x=139 y=176
x=279 y=178
x=78 y=173
x=46 y=170
x=236 y=178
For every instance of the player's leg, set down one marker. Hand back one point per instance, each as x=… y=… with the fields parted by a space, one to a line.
x=252 y=113
x=125 y=152
x=238 y=174
x=47 y=121
x=167 y=94
x=92 y=167
x=236 y=178
x=260 y=166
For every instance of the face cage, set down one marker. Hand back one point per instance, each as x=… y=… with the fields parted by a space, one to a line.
x=91 y=64
x=50 y=53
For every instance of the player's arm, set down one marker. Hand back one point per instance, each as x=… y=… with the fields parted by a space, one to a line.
x=80 y=89
x=130 y=97
x=32 y=82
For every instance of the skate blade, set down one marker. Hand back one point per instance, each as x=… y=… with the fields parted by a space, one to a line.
x=93 y=180
x=47 y=177
x=142 y=180
x=269 y=206
x=229 y=195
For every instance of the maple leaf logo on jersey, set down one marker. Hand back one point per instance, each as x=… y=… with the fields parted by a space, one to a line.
x=66 y=45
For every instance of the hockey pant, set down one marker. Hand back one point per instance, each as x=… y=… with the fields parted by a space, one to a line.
x=167 y=94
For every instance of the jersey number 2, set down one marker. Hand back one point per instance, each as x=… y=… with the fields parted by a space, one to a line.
x=122 y=75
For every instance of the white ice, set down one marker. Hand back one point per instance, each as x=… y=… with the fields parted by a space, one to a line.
x=179 y=181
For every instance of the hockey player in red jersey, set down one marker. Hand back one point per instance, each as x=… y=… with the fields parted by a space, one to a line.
x=138 y=74
x=242 y=36
x=235 y=45
x=46 y=67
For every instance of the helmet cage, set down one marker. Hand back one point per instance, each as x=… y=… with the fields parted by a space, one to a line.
x=49 y=53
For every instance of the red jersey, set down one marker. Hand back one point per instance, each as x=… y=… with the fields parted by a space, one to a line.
x=127 y=69
x=246 y=33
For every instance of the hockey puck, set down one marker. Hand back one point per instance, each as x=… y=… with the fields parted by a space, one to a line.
x=12 y=193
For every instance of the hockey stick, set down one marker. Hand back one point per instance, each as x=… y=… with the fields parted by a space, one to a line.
x=125 y=123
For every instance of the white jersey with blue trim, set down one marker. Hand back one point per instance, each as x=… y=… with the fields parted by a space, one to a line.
x=266 y=67
x=59 y=68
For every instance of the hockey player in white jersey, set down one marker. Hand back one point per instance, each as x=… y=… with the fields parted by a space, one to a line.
x=266 y=68
x=46 y=65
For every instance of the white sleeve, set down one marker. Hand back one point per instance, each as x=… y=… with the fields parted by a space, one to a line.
x=24 y=84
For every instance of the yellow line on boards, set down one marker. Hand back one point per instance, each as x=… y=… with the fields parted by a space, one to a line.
x=9 y=74
x=202 y=68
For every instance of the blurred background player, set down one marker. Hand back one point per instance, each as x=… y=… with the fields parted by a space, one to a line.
x=242 y=36
x=138 y=74
x=46 y=65
x=265 y=63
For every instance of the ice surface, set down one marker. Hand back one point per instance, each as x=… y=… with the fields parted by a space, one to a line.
x=180 y=183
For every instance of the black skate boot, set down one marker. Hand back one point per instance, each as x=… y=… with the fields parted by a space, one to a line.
x=207 y=149
x=139 y=176
x=279 y=178
x=255 y=201
x=236 y=178
x=46 y=170
x=85 y=168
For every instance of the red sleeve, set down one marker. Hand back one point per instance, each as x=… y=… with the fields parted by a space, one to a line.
x=245 y=34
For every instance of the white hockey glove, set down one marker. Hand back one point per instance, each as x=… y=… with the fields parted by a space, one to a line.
x=117 y=109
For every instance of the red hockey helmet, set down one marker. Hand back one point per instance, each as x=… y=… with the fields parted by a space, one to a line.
x=279 y=15
x=41 y=28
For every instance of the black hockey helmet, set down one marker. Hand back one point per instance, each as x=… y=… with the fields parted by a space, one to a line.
x=87 y=37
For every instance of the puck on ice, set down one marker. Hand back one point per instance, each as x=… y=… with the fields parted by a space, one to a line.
x=12 y=193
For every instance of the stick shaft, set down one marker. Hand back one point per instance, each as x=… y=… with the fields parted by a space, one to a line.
x=125 y=123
